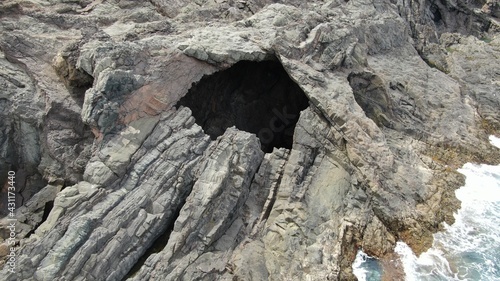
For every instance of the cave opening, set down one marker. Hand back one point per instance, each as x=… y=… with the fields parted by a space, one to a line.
x=256 y=97
x=46 y=211
x=436 y=14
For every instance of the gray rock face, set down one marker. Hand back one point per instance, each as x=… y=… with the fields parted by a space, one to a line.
x=134 y=161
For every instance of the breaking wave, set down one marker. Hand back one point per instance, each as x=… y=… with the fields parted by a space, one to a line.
x=467 y=250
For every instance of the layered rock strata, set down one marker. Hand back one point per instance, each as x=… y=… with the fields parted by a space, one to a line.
x=119 y=176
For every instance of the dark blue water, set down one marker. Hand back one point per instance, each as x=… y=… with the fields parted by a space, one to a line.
x=467 y=250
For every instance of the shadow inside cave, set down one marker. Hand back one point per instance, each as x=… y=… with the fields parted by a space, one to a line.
x=256 y=97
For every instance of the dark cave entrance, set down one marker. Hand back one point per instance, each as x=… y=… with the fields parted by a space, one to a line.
x=256 y=97
x=436 y=14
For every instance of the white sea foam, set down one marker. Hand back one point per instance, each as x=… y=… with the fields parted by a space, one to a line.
x=366 y=268
x=470 y=248
x=495 y=141
x=357 y=267
x=467 y=250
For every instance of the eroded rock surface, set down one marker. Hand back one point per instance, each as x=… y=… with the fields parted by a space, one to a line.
x=124 y=174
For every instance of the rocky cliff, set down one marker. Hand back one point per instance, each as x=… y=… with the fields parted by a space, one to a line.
x=238 y=140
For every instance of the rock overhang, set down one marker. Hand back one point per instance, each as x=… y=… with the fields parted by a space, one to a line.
x=257 y=97
x=319 y=46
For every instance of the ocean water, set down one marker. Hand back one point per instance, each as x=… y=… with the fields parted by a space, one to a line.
x=366 y=268
x=467 y=250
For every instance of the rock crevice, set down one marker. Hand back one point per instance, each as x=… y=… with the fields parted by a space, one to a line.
x=230 y=140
